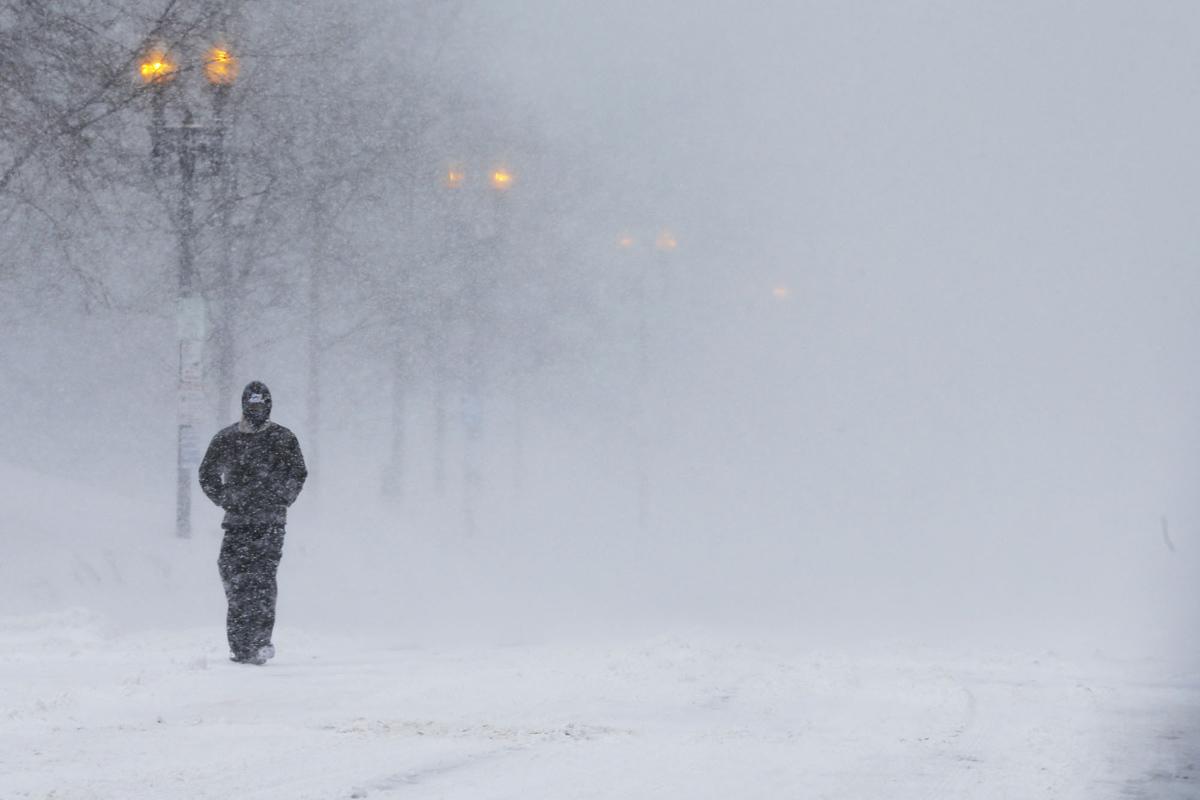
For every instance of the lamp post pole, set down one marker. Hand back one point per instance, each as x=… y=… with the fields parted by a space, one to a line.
x=502 y=180
x=637 y=276
x=441 y=338
x=191 y=329
x=641 y=419
x=643 y=271
x=472 y=391
x=315 y=311
x=402 y=329
x=220 y=70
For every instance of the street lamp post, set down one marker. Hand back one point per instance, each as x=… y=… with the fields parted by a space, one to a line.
x=191 y=143
x=641 y=420
x=157 y=72
x=502 y=180
x=191 y=327
x=476 y=266
x=440 y=339
x=221 y=72
x=402 y=324
x=488 y=235
x=664 y=244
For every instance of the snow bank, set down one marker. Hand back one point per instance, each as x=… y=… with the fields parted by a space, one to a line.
x=75 y=546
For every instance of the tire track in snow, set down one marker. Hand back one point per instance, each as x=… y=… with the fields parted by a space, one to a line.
x=417 y=778
x=520 y=740
x=1175 y=775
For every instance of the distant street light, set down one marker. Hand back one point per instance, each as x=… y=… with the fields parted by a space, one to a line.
x=502 y=179
x=782 y=293
x=455 y=177
x=665 y=242
x=220 y=67
x=156 y=67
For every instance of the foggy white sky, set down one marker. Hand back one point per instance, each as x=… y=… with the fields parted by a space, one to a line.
x=986 y=215
x=1004 y=130
x=970 y=198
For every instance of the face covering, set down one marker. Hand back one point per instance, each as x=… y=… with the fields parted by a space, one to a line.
x=256 y=413
x=256 y=404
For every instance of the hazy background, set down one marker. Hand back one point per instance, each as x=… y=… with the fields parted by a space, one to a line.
x=920 y=365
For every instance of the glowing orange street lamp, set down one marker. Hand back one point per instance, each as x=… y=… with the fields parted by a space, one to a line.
x=156 y=67
x=220 y=66
x=626 y=241
x=502 y=179
x=665 y=242
x=782 y=293
x=455 y=177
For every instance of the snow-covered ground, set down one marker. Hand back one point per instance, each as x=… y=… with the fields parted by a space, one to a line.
x=85 y=714
x=114 y=683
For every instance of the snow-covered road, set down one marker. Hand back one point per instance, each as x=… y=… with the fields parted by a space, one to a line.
x=85 y=714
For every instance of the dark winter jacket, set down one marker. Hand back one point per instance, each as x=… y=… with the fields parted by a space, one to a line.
x=253 y=474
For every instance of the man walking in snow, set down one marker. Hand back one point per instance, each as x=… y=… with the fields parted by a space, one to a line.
x=254 y=470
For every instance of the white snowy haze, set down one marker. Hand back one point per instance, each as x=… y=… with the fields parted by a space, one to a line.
x=838 y=322
x=920 y=359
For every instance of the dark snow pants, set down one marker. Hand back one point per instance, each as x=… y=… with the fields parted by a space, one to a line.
x=248 y=562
